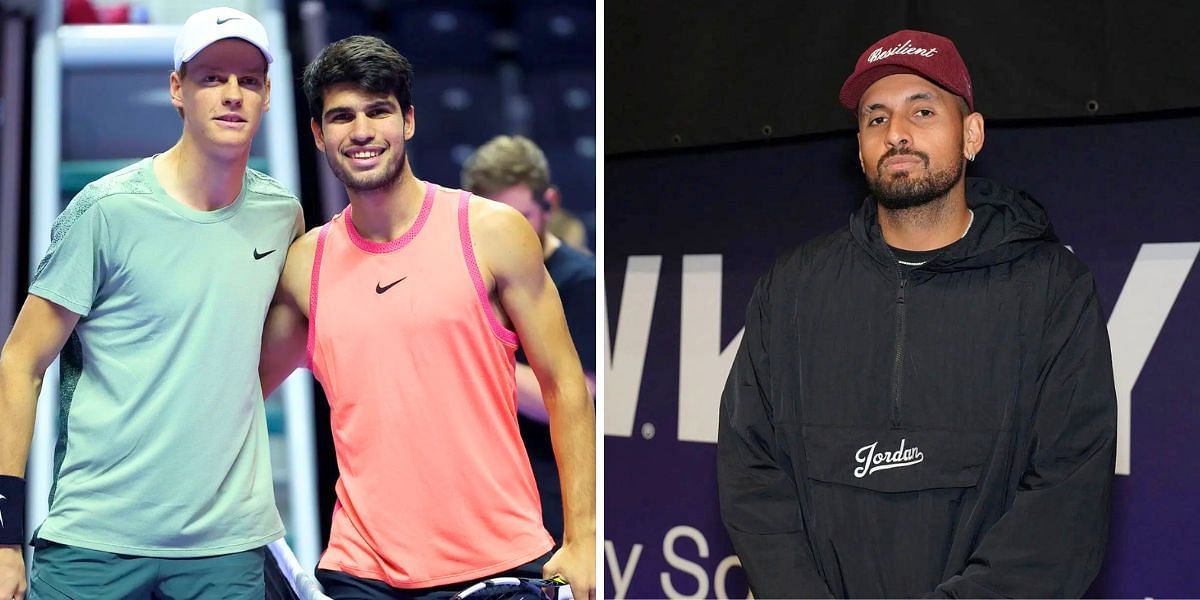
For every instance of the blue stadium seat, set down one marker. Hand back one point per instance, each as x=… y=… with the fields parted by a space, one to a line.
x=556 y=36
x=440 y=161
x=463 y=107
x=356 y=17
x=564 y=103
x=443 y=36
x=583 y=4
x=573 y=170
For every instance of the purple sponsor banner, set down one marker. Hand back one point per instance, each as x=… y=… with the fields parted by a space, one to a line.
x=688 y=234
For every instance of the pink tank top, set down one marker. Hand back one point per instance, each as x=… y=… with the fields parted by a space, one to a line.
x=435 y=485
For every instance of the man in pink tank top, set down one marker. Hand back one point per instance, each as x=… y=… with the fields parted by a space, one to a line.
x=408 y=306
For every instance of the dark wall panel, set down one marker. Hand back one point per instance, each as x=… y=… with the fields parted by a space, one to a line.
x=713 y=72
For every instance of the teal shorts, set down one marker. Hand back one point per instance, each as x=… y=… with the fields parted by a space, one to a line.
x=62 y=572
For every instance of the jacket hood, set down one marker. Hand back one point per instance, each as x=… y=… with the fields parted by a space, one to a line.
x=1008 y=223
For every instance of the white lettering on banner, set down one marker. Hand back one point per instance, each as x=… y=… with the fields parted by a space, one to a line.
x=624 y=363
x=1149 y=293
x=1137 y=319
x=621 y=577
x=872 y=461
x=722 y=571
x=684 y=564
x=703 y=364
x=905 y=48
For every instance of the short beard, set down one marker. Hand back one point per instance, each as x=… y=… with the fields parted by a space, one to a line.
x=905 y=191
x=391 y=175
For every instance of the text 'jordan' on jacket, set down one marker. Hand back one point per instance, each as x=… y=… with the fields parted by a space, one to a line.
x=947 y=430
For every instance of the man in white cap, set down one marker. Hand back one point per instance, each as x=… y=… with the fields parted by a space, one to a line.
x=154 y=290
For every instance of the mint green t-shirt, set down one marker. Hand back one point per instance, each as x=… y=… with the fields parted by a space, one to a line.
x=162 y=444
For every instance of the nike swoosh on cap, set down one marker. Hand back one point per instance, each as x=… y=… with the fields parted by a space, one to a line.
x=226 y=20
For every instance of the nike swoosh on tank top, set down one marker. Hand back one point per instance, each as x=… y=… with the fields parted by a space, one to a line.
x=435 y=485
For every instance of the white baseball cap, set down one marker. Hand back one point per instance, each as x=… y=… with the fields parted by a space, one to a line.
x=214 y=24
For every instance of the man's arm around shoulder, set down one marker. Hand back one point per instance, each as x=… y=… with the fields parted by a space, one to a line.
x=285 y=333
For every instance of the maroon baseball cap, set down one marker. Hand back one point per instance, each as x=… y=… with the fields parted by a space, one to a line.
x=926 y=55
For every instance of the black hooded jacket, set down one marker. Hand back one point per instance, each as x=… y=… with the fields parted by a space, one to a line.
x=946 y=431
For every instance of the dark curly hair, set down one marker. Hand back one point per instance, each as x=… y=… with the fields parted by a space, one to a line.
x=365 y=61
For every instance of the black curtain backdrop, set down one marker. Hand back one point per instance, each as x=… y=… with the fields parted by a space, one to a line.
x=711 y=72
